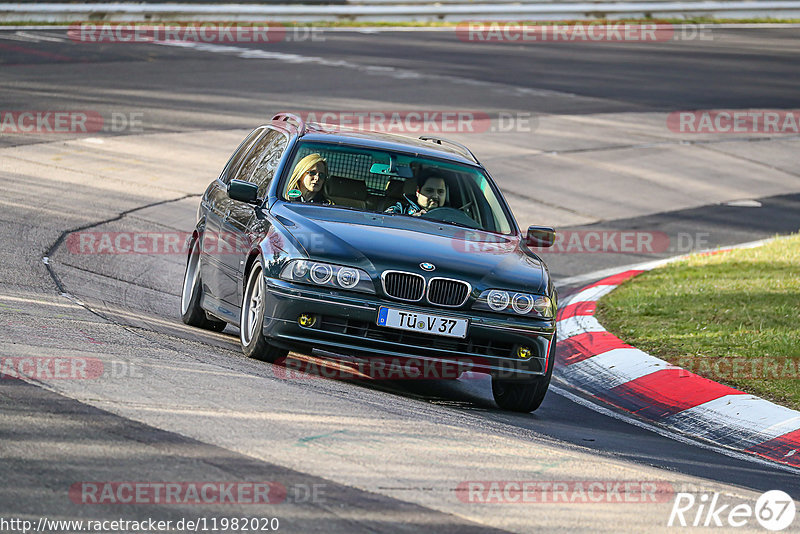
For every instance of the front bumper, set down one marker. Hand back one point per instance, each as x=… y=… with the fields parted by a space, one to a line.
x=347 y=324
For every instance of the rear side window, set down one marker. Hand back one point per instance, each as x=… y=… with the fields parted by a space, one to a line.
x=235 y=161
x=262 y=160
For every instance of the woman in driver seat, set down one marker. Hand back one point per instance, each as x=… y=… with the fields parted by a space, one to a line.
x=308 y=179
x=431 y=193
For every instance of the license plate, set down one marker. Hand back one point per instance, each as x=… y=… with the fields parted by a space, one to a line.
x=422 y=322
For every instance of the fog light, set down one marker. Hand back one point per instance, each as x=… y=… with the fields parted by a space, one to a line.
x=306 y=320
x=523 y=352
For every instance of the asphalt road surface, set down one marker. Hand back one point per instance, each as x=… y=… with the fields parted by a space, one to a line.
x=579 y=139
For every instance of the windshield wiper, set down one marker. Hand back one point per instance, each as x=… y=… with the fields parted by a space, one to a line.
x=437 y=221
x=460 y=225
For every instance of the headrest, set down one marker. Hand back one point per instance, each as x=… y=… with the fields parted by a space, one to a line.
x=338 y=187
x=410 y=187
x=394 y=188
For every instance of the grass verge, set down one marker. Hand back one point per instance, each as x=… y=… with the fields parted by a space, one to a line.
x=731 y=317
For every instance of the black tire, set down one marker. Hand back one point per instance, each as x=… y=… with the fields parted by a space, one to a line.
x=191 y=312
x=524 y=396
x=254 y=344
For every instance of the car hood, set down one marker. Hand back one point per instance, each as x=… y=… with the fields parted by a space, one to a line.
x=377 y=242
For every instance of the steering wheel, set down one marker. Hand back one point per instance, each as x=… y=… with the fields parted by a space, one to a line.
x=451 y=215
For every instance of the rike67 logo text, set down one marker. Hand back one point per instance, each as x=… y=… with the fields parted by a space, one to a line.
x=774 y=510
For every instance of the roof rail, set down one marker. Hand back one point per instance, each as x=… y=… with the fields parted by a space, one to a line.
x=441 y=140
x=301 y=124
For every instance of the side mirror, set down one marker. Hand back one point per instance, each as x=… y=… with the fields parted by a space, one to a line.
x=243 y=191
x=541 y=236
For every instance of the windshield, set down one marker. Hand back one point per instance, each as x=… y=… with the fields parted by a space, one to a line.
x=394 y=183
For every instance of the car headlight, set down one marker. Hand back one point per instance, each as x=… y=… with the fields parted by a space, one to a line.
x=497 y=300
x=515 y=303
x=328 y=275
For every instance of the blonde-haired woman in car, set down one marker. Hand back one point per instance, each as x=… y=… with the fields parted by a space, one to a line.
x=308 y=179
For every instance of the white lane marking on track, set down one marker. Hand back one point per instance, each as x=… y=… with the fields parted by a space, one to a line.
x=645 y=266
x=251 y=53
x=30 y=37
x=17 y=37
x=31 y=300
x=604 y=273
x=40 y=36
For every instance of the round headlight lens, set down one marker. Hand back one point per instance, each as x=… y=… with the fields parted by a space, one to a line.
x=347 y=277
x=542 y=306
x=522 y=303
x=497 y=300
x=321 y=273
x=300 y=269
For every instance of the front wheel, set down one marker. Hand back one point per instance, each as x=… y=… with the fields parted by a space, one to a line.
x=527 y=396
x=191 y=312
x=254 y=344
